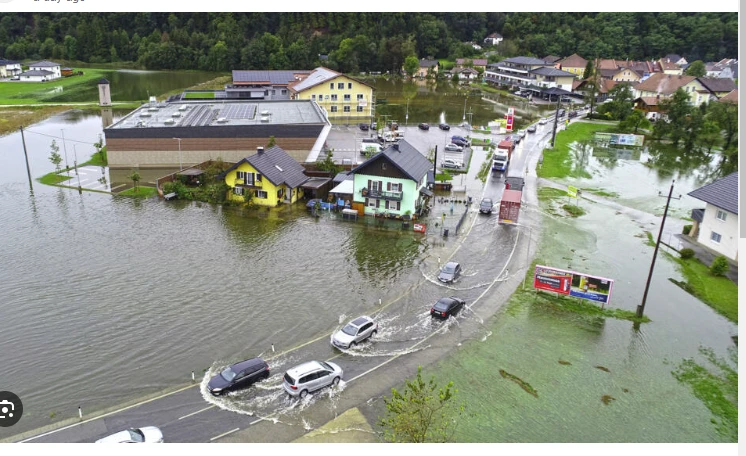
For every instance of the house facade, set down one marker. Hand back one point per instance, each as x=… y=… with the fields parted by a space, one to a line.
x=393 y=182
x=477 y=64
x=493 y=39
x=9 y=68
x=515 y=71
x=269 y=177
x=263 y=85
x=574 y=64
x=548 y=77
x=42 y=71
x=716 y=226
x=626 y=75
x=664 y=85
x=339 y=95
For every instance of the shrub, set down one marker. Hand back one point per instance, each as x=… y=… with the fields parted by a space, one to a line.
x=686 y=253
x=687 y=229
x=719 y=266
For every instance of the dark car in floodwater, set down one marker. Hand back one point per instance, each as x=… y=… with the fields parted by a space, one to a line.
x=445 y=307
x=239 y=375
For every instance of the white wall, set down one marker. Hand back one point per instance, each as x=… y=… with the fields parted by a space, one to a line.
x=728 y=230
x=56 y=70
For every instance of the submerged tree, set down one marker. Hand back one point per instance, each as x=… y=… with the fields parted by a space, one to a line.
x=55 y=156
x=135 y=176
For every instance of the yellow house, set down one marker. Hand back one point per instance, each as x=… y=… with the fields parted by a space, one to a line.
x=268 y=178
x=338 y=94
x=574 y=64
x=661 y=85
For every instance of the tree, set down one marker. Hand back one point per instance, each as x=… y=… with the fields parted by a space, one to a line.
x=719 y=266
x=423 y=412
x=55 y=156
x=99 y=145
x=135 y=177
x=592 y=86
x=588 y=70
x=677 y=109
x=696 y=68
x=328 y=164
x=411 y=65
x=272 y=142
x=634 y=121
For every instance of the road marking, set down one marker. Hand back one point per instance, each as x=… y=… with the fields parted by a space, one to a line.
x=198 y=411
x=108 y=414
x=224 y=434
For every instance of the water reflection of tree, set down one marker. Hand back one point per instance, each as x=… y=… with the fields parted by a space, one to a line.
x=672 y=162
x=582 y=151
x=382 y=255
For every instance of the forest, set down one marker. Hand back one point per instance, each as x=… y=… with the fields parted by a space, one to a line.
x=355 y=42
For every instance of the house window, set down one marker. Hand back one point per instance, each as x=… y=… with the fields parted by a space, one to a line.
x=393 y=205
x=238 y=191
x=331 y=86
x=715 y=237
x=261 y=194
x=359 y=109
x=394 y=186
x=266 y=92
x=371 y=202
x=349 y=85
x=346 y=109
x=375 y=185
x=313 y=97
x=279 y=193
x=383 y=165
x=360 y=96
x=334 y=108
x=284 y=92
x=347 y=97
x=245 y=178
x=258 y=177
x=721 y=215
x=273 y=91
x=340 y=85
x=334 y=97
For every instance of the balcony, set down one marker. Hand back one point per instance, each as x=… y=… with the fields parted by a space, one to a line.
x=381 y=194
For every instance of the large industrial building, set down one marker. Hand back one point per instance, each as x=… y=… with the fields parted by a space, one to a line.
x=184 y=133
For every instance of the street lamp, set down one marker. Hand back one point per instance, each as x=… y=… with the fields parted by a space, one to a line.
x=180 y=167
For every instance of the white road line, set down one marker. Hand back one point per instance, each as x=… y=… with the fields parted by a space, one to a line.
x=224 y=434
x=107 y=414
x=198 y=411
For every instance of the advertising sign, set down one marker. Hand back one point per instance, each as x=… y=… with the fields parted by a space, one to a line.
x=509 y=119
x=572 y=283
x=615 y=139
x=572 y=191
x=420 y=228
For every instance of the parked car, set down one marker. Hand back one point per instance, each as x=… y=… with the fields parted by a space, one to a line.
x=423 y=126
x=451 y=163
x=239 y=375
x=444 y=126
x=147 y=434
x=460 y=143
x=364 y=127
x=572 y=114
x=531 y=129
x=516 y=139
x=459 y=138
x=454 y=147
x=445 y=307
x=355 y=332
x=543 y=121
x=450 y=272
x=485 y=207
x=311 y=376
x=521 y=133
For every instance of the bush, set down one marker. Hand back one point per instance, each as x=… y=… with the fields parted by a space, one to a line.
x=687 y=229
x=686 y=253
x=719 y=266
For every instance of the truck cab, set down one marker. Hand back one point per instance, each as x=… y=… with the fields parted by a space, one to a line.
x=501 y=156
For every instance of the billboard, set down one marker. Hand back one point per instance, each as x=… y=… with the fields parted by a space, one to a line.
x=572 y=283
x=509 y=118
x=614 y=139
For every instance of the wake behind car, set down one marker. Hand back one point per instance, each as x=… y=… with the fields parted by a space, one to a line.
x=450 y=272
x=311 y=376
x=239 y=375
x=354 y=332
x=485 y=207
x=445 y=307
x=424 y=126
x=147 y=434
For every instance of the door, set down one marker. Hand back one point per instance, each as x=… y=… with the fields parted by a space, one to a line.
x=324 y=378
x=365 y=331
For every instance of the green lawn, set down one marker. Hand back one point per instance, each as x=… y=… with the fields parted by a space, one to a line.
x=720 y=293
x=36 y=92
x=558 y=162
x=142 y=192
x=199 y=95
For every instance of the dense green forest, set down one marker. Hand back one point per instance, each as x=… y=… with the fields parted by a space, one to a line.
x=355 y=41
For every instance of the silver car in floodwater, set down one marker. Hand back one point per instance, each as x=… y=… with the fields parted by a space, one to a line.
x=311 y=376
x=355 y=332
x=147 y=434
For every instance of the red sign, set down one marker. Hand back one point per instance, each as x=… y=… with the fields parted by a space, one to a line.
x=420 y=228
x=552 y=280
x=509 y=117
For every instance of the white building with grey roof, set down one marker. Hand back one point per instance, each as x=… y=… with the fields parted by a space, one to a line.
x=716 y=226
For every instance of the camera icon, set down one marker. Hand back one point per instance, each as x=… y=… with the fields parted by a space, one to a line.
x=6 y=409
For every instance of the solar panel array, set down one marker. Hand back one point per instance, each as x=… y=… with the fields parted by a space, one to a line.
x=238 y=111
x=199 y=117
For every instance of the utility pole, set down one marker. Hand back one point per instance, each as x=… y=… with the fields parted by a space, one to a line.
x=556 y=111
x=64 y=147
x=25 y=153
x=641 y=307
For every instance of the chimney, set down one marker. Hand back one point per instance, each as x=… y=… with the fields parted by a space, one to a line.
x=260 y=150
x=396 y=147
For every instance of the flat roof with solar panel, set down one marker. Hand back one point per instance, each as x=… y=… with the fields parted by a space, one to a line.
x=211 y=114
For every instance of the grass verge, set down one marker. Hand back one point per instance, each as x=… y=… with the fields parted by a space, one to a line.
x=484 y=170
x=37 y=92
x=720 y=293
x=575 y=211
x=140 y=192
x=558 y=162
x=601 y=192
x=12 y=118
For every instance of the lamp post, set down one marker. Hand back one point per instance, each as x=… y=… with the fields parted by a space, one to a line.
x=180 y=166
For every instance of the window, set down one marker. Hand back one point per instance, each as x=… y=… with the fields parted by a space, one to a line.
x=261 y=194
x=334 y=97
x=359 y=109
x=721 y=215
x=340 y=85
x=313 y=97
x=334 y=109
x=273 y=91
x=279 y=193
x=393 y=205
x=394 y=186
x=347 y=97
x=331 y=86
x=266 y=92
x=284 y=92
x=238 y=191
x=383 y=165
x=346 y=109
x=360 y=97
x=349 y=85
x=715 y=237
x=371 y=202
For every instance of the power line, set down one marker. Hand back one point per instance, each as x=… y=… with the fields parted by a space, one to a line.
x=58 y=137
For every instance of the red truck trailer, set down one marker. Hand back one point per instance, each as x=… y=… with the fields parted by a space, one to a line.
x=510 y=207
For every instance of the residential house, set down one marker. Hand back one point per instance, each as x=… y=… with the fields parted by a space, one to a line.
x=42 y=71
x=669 y=67
x=475 y=46
x=477 y=64
x=340 y=95
x=270 y=176
x=610 y=68
x=515 y=71
x=676 y=59
x=493 y=39
x=665 y=85
x=548 y=77
x=574 y=64
x=465 y=74
x=393 y=182
x=719 y=87
x=263 y=84
x=716 y=226
x=427 y=67
x=625 y=74
x=726 y=68
x=552 y=59
x=650 y=106
x=732 y=97
x=9 y=68
x=604 y=87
